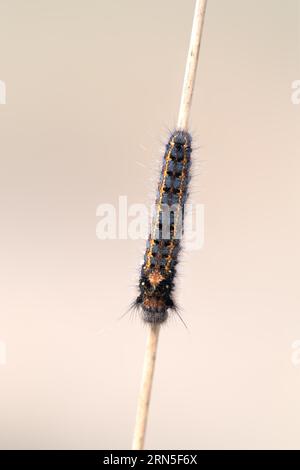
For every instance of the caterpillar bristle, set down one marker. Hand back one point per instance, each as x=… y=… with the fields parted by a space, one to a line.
x=158 y=272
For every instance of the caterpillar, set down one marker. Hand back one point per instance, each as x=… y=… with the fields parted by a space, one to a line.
x=158 y=272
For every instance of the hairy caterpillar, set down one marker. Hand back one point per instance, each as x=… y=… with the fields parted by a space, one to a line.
x=156 y=285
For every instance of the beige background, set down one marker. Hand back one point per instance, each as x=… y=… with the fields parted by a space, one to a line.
x=92 y=87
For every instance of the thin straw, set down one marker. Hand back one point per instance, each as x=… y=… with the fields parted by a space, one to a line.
x=145 y=393
x=191 y=65
x=182 y=123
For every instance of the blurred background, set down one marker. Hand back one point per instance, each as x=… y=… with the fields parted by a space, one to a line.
x=91 y=89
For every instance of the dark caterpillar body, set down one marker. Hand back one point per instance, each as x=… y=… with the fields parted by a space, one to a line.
x=158 y=271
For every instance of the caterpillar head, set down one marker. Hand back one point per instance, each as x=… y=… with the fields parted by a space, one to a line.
x=155 y=297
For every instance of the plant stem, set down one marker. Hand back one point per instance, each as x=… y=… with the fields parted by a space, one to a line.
x=191 y=65
x=146 y=385
x=182 y=123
